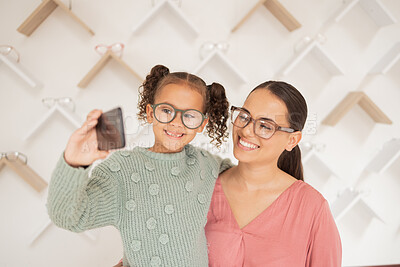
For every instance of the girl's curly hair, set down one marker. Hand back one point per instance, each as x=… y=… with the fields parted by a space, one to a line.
x=215 y=106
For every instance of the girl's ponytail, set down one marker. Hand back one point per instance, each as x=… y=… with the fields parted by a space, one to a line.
x=149 y=87
x=290 y=162
x=217 y=110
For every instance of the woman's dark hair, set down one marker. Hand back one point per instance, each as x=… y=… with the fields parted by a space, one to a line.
x=290 y=161
x=215 y=106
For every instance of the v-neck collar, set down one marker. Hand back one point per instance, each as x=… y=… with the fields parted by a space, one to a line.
x=286 y=191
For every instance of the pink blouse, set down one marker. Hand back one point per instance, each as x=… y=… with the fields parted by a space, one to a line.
x=297 y=229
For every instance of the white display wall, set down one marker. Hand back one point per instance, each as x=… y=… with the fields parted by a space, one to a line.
x=341 y=47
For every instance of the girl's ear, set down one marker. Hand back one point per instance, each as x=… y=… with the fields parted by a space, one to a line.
x=294 y=139
x=149 y=113
x=201 y=128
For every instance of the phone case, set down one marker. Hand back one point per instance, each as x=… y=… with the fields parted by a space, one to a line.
x=110 y=130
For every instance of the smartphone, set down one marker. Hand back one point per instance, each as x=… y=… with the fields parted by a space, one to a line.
x=110 y=130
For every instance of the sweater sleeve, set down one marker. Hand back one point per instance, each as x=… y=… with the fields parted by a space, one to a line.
x=224 y=164
x=77 y=202
x=325 y=248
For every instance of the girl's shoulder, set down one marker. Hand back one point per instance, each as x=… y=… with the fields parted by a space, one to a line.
x=114 y=160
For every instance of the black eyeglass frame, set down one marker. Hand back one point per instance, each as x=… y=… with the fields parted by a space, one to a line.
x=276 y=126
x=176 y=110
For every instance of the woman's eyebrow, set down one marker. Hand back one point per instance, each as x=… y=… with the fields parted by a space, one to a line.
x=261 y=118
x=245 y=109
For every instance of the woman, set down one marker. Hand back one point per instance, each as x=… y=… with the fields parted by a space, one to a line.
x=262 y=213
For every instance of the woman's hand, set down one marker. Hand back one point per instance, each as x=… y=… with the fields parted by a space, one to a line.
x=82 y=148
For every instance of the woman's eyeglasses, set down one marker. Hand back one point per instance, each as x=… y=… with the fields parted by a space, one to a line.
x=13 y=156
x=166 y=113
x=263 y=127
x=116 y=48
x=9 y=50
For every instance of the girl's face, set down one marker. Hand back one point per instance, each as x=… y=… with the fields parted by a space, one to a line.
x=173 y=136
x=250 y=148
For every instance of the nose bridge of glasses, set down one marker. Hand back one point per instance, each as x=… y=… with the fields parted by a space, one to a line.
x=178 y=116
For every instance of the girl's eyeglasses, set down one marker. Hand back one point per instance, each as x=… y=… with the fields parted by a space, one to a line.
x=166 y=113
x=9 y=50
x=13 y=156
x=263 y=127
x=116 y=48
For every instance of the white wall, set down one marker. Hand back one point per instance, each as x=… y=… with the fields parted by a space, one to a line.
x=60 y=53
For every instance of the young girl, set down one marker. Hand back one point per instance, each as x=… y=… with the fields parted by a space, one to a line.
x=157 y=197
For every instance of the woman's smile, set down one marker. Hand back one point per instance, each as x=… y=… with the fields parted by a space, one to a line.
x=246 y=145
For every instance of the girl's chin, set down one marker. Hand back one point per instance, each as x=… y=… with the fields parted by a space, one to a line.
x=173 y=147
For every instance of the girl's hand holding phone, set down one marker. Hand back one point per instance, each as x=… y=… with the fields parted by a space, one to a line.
x=82 y=148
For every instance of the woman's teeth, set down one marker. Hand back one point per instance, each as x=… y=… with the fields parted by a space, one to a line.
x=173 y=134
x=245 y=144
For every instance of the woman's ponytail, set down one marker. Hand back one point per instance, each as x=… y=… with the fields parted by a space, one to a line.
x=149 y=88
x=217 y=109
x=290 y=162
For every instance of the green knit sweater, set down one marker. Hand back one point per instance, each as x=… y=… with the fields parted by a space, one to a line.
x=158 y=202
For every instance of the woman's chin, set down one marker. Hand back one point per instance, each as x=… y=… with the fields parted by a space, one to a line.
x=242 y=156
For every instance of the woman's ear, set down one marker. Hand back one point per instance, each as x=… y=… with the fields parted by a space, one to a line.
x=294 y=139
x=201 y=128
x=149 y=113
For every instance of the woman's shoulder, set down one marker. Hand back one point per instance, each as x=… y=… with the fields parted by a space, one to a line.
x=308 y=195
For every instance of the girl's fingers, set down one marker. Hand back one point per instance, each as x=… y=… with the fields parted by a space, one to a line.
x=87 y=126
x=102 y=154
x=94 y=114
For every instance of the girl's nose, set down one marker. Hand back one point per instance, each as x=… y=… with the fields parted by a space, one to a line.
x=177 y=121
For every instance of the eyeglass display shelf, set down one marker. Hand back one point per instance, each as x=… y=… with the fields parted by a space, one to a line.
x=315 y=49
x=25 y=172
x=20 y=71
x=388 y=154
x=42 y=12
x=279 y=12
x=65 y=112
x=100 y=65
x=217 y=55
x=390 y=59
x=374 y=8
x=348 y=200
x=352 y=99
x=47 y=225
x=313 y=157
x=158 y=8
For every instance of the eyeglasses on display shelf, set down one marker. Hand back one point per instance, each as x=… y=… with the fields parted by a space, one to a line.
x=207 y=47
x=10 y=51
x=63 y=101
x=116 y=48
x=14 y=156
